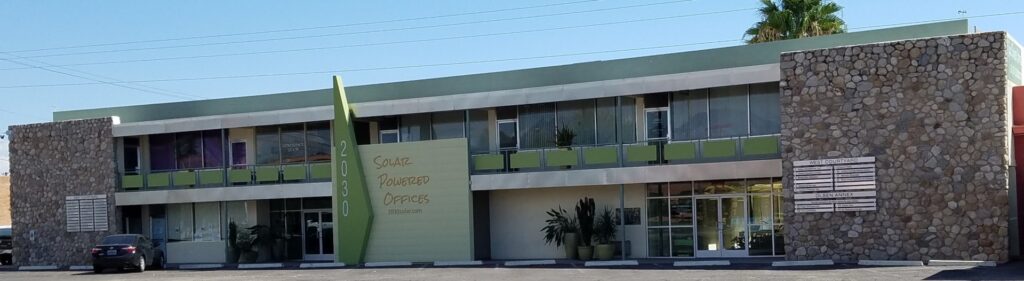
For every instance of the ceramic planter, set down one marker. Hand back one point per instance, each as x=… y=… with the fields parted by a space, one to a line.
x=571 y=241
x=585 y=252
x=605 y=251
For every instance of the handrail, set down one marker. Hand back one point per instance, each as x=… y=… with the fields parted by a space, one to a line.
x=314 y=171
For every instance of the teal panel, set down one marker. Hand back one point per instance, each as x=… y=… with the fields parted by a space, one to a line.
x=158 y=180
x=240 y=176
x=294 y=172
x=320 y=171
x=720 y=148
x=266 y=174
x=131 y=181
x=524 y=159
x=560 y=158
x=765 y=145
x=211 y=177
x=600 y=155
x=681 y=151
x=700 y=60
x=488 y=162
x=184 y=178
x=641 y=153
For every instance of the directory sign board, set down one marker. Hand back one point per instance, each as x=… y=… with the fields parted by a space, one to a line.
x=834 y=185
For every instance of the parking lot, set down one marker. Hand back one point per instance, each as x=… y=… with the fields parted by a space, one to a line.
x=1012 y=271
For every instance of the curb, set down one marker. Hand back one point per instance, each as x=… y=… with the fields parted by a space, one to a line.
x=259 y=265
x=37 y=267
x=960 y=263
x=322 y=265
x=201 y=266
x=80 y=268
x=611 y=263
x=702 y=263
x=387 y=264
x=889 y=263
x=529 y=262
x=803 y=263
x=457 y=263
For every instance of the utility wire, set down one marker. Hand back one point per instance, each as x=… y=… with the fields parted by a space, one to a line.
x=152 y=90
x=300 y=28
x=401 y=41
x=116 y=83
x=356 y=32
x=381 y=68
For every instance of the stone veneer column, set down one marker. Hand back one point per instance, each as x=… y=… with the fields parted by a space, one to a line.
x=50 y=161
x=934 y=114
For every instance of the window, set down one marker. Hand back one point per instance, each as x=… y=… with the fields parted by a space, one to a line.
x=536 y=124
x=479 y=136
x=388 y=127
x=670 y=219
x=213 y=149
x=188 y=150
x=194 y=222
x=318 y=141
x=507 y=137
x=657 y=123
x=606 y=127
x=728 y=108
x=238 y=154
x=268 y=146
x=627 y=119
x=448 y=125
x=415 y=127
x=132 y=157
x=764 y=109
x=579 y=116
x=293 y=144
x=161 y=152
x=690 y=115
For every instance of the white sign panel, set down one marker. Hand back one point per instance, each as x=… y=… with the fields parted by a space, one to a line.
x=834 y=185
x=86 y=213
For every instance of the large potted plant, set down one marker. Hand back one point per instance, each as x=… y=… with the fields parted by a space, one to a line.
x=564 y=137
x=244 y=244
x=585 y=216
x=264 y=242
x=233 y=251
x=604 y=231
x=561 y=229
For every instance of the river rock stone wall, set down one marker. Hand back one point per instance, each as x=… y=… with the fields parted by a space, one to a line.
x=50 y=161
x=934 y=113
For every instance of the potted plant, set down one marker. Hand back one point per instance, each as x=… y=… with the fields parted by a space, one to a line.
x=561 y=228
x=604 y=231
x=564 y=136
x=264 y=242
x=232 y=243
x=244 y=244
x=585 y=216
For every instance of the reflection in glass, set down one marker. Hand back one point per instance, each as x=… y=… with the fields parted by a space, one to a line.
x=318 y=141
x=268 y=145
x=293 y=144
x=707 y=225
x=657 y=242
x=312 y=224
x=415 y=127
x=760 y=225
x=656 y=190
x=657 y=123
x=448 y=124
x=507 y=134
x=627 y=120
x=728 y=108
x=682 y=211
x=681 y=188
x=536 y=125
x=605 y=120
x=657 y=212
x=188 y=150
x=327 y=233
x=578 y=115
x=479 y=136
x=764 y=109
x=733 y=223
x=682 y=241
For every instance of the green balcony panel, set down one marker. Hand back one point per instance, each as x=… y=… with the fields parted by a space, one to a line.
x=320 y=171
x=641 y=153
x=766 y=145
x=294 y=172
x=240 y=176
x=131 y=181
x=488 y=162
x=211 y=177
x=159 y=180
x=720 y=148
x=266 y=174
x=560 y=158
x=526 y=159
x=681 y=151
x=600 y=155
x=184 y=178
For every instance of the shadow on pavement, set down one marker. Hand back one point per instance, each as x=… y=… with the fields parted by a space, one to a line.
x=1008 y=271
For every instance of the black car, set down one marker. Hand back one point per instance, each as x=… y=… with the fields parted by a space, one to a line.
x=126 y=251
x=6 y=246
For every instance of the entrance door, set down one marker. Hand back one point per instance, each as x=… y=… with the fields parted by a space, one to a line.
x=318 y=235
x=721 y=227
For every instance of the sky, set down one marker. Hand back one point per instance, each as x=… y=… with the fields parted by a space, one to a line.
x=92 y=46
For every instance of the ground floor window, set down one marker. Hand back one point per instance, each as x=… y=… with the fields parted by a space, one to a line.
x=726 y=218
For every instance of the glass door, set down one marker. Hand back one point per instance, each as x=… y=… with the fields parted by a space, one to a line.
x=721 y=227
x=318 y=235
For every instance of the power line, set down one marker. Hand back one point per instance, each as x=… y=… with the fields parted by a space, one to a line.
x=301 y=28
x=356 y=32
x=400 y=41
x=939 y=20
x=116 y=83
x=380 y=68
x=152 y=90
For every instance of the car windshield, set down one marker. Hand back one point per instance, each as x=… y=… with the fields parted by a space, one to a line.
x=5 y=232
x=119 y=239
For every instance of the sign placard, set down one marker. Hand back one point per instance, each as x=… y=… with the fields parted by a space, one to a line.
x=834 y=185
x=86 y=213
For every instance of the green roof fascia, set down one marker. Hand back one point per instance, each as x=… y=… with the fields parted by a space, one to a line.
x=700 y=60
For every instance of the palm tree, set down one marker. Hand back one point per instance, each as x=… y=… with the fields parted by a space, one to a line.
x=791 y=19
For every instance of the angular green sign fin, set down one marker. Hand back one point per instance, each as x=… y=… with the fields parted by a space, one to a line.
x=350 y=200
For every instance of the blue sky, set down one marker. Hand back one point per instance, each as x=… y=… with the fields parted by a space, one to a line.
x=31 y=25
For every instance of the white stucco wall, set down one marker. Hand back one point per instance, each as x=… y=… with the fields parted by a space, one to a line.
x=518 y=215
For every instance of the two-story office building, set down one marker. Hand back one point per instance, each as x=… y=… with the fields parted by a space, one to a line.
x=892 y=144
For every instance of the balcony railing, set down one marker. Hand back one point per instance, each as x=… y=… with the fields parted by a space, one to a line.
x=627 y=155
x=221 y=177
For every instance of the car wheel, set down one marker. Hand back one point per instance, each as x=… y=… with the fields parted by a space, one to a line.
x=160 y=262
x=142 y=264
x=97 y=269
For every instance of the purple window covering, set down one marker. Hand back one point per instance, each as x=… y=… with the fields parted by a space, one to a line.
x=188 y=150
x=213 y=149
x=161 y=152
